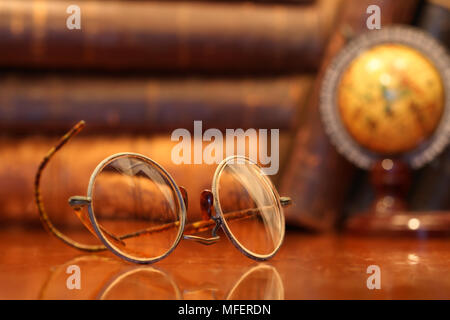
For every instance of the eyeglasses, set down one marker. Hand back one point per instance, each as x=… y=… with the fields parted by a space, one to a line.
x=138 y=212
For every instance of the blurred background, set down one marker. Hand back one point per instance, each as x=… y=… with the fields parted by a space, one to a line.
x=137 y=70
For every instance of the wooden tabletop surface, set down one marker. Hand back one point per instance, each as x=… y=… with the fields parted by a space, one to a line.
x=33 y=265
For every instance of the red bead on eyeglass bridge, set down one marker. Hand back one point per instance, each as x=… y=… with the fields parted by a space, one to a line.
x=206 y=204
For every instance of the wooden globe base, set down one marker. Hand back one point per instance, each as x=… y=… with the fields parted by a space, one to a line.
x=388 y=214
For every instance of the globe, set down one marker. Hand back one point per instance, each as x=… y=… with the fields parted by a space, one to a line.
x=385 y=105
x=390 y=98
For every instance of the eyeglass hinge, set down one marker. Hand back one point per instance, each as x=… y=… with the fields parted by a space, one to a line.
x=79 y=201
x=285 y=201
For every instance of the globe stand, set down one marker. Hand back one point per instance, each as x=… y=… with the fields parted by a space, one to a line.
x=389 y=213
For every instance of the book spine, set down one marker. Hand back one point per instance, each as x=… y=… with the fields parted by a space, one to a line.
x=49 y=104
x=435 y=18
x=158 y=36
x=431 y=185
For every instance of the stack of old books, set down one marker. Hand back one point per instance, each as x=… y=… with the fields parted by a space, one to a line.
x=137 y=70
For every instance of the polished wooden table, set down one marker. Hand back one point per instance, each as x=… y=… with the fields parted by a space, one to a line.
x=34 y=265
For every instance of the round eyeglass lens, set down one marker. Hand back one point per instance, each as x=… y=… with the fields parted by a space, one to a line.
x=249 y=206
x=137 y=208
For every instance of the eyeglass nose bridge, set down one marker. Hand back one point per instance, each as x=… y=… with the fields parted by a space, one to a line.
x=206 y=241
x=206 y=206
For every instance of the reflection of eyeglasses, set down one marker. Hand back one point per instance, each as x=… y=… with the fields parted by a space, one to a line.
x=119 y=281
x=261 y=282
x=139 y=213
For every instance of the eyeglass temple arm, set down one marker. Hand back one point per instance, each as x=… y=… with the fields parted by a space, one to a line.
x=43 y=216
x=78 y=202
x=208 y=221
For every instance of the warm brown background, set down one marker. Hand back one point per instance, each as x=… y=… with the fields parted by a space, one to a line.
x=229 y=64
x=139 y=69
